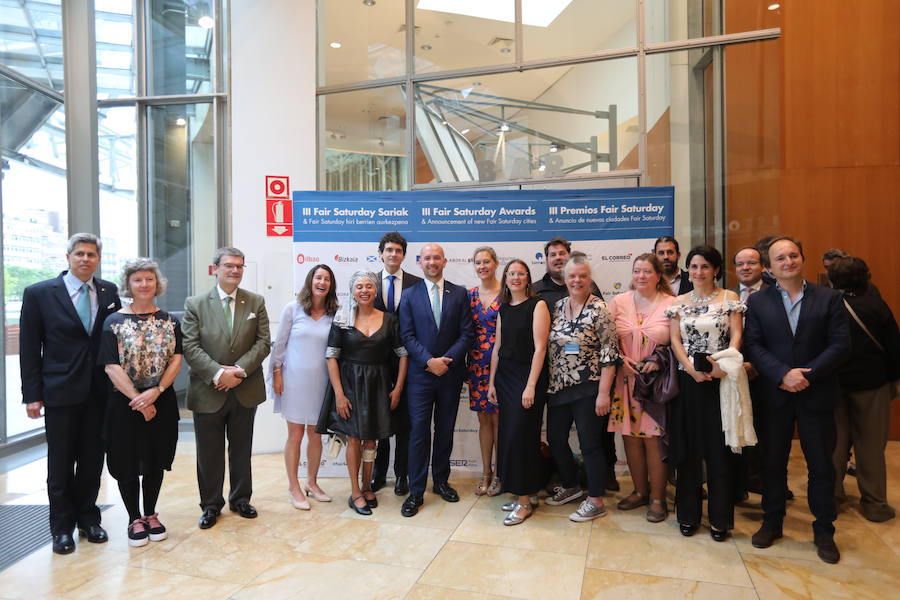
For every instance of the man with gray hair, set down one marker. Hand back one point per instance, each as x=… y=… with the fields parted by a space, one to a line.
x=225 y=338
x=59 y=336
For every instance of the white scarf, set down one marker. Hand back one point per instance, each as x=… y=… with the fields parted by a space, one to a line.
x=734 y=400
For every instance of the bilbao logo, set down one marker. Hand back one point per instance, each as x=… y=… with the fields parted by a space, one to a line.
x=345 y=259
x=538 y=258
x=305 y=258
x=617 y=257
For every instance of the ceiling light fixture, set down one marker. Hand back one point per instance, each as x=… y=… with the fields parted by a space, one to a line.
x=181 y=121
x=464 y=132
x=540 y=13
x=335 y=44
x=206 y=22
x=369 y=2
x=503 y=127
x=554 y=148
x=774 y=6
x=426 y=46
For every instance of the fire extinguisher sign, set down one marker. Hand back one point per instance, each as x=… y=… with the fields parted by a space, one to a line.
x=279 y=210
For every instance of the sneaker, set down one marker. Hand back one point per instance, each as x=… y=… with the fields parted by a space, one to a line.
x=137 y=533
x=156 y=530
x=562 y=495
x=588 y=511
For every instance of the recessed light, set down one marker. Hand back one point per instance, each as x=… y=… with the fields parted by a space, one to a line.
x=181 y=121
x=774 y=6
x=505 y=50
x=426 y=46
x=464 y=132
x=554 y=148
x=504 y=126
x=369 y=2
x=206 y=22
x=335 y=44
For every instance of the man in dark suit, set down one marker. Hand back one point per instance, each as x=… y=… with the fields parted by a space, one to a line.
x=59 y=336
x=437 y=331
x=226 y=339
x=667 y=250
x=392 y=283
x=748 y=465
x=796 y=335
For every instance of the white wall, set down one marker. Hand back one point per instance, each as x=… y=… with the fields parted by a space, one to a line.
x=273 y=128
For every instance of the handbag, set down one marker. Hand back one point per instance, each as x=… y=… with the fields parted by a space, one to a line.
x=895 y=385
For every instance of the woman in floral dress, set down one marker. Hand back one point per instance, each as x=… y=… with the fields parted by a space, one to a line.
x=485 y=303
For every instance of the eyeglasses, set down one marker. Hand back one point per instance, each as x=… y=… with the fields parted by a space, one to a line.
x=231 y=267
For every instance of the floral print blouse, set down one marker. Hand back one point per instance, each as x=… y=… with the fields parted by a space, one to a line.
x=141 y=344
x=705 y=328
x=594 y=333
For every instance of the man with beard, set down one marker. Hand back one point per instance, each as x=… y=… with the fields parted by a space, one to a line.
x=552 y=288
x=667 y=250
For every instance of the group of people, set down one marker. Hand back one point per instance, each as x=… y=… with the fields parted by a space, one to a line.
x=704 y=384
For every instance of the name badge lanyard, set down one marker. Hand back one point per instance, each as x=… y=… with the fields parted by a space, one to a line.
x=573 y=348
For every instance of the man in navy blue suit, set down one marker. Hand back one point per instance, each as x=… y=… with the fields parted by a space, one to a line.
x=796 y=334
x=437 y=331
x=59 y=337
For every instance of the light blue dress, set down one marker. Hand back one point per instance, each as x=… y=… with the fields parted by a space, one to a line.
x=300 y=352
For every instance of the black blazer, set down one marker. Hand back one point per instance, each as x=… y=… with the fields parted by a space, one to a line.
x=684 y=284
x=408 y=281
x=56 y=355
x=423 y=340
x=822 y=343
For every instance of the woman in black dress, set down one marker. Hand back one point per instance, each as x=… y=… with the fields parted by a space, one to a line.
x=141 y=351
x=519 y=384
x=362 y=393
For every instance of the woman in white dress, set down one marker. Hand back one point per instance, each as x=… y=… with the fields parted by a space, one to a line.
x=300 y=377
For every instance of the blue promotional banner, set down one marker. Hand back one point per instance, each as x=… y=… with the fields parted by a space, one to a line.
x=476 y=216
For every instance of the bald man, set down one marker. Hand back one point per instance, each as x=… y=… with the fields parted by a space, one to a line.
x=436 y=327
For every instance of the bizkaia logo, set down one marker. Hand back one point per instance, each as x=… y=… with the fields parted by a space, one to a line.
x=345 y=259
x=305 y=258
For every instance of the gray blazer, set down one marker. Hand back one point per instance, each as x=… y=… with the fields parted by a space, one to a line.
x=208 y=345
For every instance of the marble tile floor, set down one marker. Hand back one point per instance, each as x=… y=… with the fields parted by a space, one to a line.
x=448 y=551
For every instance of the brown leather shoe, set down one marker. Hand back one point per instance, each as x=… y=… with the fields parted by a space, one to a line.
x=766 y=536
x=826 y=548
x=632 y=501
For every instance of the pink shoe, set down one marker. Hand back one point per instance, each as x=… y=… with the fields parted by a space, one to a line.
x=137 y=533
x=156 y=530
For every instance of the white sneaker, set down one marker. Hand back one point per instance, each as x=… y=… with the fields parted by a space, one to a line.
x=563 y=495
x=588 y=511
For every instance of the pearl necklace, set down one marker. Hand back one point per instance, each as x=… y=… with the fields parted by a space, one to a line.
x=704 y=300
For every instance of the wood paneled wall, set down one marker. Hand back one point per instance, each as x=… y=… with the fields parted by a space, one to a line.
x=813 y=135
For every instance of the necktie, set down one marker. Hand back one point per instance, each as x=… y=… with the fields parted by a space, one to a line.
x=84 y=307
x=228 y=316
x=436 y=305
x=390 y=301
x=745 y=293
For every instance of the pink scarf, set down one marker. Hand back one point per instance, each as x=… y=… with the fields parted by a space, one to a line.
x=655 y=328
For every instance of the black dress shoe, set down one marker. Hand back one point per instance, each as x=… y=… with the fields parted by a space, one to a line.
x=245 y=509
x=94 y=534
x=446 y=492
x=208 y=518
x=401 y=486
x=371 y=502
x=826 y=549
x=378 y=482
x=766 y=536
x=63 y=543
x=612 y=484
x=719 y=535
x=411 y=505
x=360 y=510
x=687 y=530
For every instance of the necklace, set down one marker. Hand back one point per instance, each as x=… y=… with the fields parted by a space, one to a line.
x=142 y=315
x=704 y=300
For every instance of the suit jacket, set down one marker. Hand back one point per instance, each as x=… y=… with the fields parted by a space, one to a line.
x=424 y=341
x=57 y=357
x=407 y=282
x=208 y=345
x=684 y=284
x=737 y=288
x=821 y=343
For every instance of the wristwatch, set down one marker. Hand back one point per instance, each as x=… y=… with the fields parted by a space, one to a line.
x=161 y=388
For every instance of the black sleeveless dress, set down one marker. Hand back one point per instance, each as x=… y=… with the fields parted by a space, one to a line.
x=366 y=378
x=519 y=463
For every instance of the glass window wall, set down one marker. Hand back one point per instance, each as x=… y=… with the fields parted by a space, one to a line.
x=31 y=39
x=119 y=228
x=669 y=20
x=180 y=53
x=553 y=29
x=115 y=48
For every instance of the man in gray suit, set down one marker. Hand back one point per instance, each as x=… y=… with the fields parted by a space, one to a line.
x=226 y=339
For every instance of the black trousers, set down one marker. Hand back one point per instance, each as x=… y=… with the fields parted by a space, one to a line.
x=74 y=464
x=591 y=437
x=235 y=422
x=817 y=439
x=704 y=442
x=400 y=422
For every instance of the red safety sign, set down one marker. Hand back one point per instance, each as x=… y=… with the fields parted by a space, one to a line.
x=279 y=230
x=278 y=186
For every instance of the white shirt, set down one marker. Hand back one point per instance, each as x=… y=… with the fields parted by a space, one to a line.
x=398 y=287
x=440 y=287
x=73 y=287
x=755 y=287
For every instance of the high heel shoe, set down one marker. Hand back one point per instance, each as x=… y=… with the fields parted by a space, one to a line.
x=482 y=488
x=494 y=489
x=297 y=504
x=360 y=510
x=318 y=497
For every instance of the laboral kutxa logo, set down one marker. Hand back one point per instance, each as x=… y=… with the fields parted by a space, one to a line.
x=305 y=258
x=345 y=259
